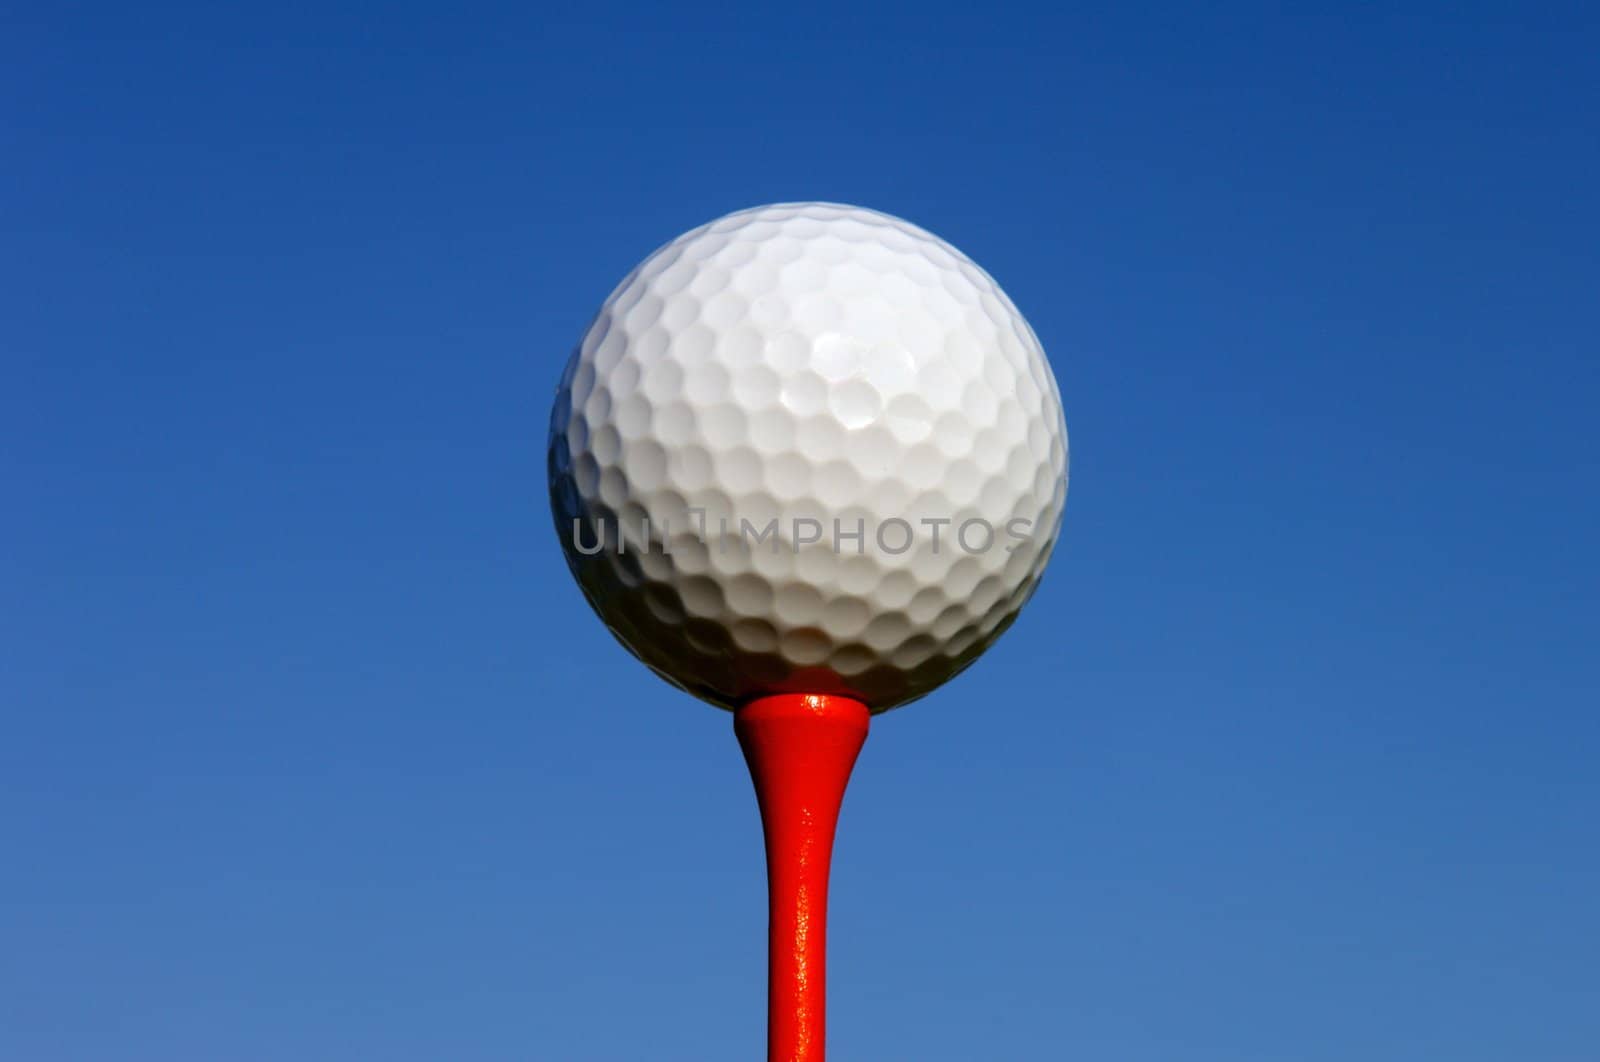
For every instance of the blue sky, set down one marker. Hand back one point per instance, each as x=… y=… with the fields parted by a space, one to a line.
x=310 y=749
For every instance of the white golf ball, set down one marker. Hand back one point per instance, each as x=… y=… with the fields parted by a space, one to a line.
x=808 y=448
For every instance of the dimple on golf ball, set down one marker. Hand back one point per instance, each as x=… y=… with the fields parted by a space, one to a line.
x=808 y=448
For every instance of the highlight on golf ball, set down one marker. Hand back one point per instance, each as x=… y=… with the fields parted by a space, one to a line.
x=808 y=448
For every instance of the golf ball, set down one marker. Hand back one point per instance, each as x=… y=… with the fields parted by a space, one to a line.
x=808 y=448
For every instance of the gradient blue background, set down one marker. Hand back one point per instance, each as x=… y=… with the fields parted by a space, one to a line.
x=309 y=748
